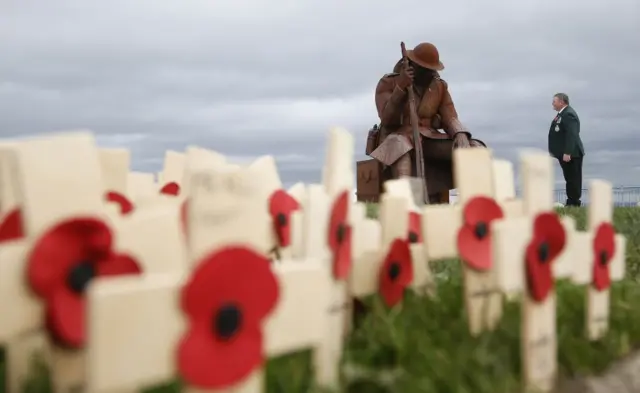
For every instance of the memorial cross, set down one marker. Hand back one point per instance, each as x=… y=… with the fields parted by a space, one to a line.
x=530 y=252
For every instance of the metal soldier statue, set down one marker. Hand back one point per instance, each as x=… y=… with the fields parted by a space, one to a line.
x=391 y=144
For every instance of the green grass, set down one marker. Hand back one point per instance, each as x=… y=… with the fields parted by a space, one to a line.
x=424 y=346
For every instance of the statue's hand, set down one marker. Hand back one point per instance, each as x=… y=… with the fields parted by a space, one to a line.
x=461 y=141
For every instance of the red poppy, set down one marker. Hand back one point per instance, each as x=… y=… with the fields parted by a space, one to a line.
x=396 y=273
x=415 y=229
x=61 y=265
x=474 y=237
x=604 y=247
x=546 y=244
x=171 y=188
x=340 y=237
x=126 y=206
x=11 y=226
x=226 y=300
x=281 y=205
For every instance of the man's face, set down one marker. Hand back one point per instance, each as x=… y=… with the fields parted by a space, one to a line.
x=422 y=75
x=557 y=104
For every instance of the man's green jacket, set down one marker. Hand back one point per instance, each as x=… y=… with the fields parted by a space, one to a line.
x=564 y=134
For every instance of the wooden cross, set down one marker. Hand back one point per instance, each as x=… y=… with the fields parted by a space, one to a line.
x=63 y=209
x=139 y=235
x=7 y=169
x=11 y=227
x=199 y=158
x=423 y=282
x=119 y=360
x=529 y=253
x=297 y=191
x=227 y=214
x=447 y=235
x=227 y=206
x=505 y=189
x=328 y=232
x=599 y=258
x=280 y=205
x=141 y=185
x=172 y=173
x=386 y=264
x=19 y=350
x=115 y=165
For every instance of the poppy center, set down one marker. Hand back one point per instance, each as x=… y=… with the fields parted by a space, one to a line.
x=281 y=219
x=394 y=270
x=341 y=232
x=413 y=237
x=543 y=252
x=481 y=230
x=80 y=275
x=604 y=258
x=227 y=321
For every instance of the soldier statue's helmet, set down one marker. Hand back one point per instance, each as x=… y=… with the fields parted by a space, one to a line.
x=426 y=55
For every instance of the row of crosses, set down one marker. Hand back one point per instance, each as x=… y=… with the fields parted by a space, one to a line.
x=203 y=271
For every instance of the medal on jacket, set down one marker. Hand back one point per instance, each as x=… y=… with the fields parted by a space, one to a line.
x=559 y=119
x=557 y=128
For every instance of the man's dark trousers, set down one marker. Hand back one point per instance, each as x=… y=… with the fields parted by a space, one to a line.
x=572 y=172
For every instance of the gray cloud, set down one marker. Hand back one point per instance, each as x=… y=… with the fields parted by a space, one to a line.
x=251 y=78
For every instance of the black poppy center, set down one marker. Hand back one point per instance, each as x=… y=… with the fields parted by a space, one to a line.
x=394 y=270
x=80 y=275
x=227 y=321
x=543 y=252
x=341 y=233
x=481 y=230
x=413 y=237
x=281 y=219
x=604 y=258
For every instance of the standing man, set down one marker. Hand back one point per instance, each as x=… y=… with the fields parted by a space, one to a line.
x=565 y=145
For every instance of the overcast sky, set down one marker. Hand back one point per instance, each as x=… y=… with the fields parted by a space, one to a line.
x=253 y=77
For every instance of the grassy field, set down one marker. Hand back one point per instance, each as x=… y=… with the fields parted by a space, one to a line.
x=425 y=347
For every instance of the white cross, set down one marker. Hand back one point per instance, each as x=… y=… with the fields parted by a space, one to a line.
x=140 y=185
x=375 y=241
x=473 y=171
x=423 y=280
x=10 y=213
x=511 y=237
x=505 y=189
x=8 y=193
x=115 y=169
x=173 y=169
x=338 y=178
x=139 y=236
x=141 y=351
x=195 y=158
x=297 y=191
x=600 y=212
x=20 y=349
x=227 y=206
x=59 y=179
x=266 y=168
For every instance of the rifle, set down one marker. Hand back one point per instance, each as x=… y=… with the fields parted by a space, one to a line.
x=417 y=145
